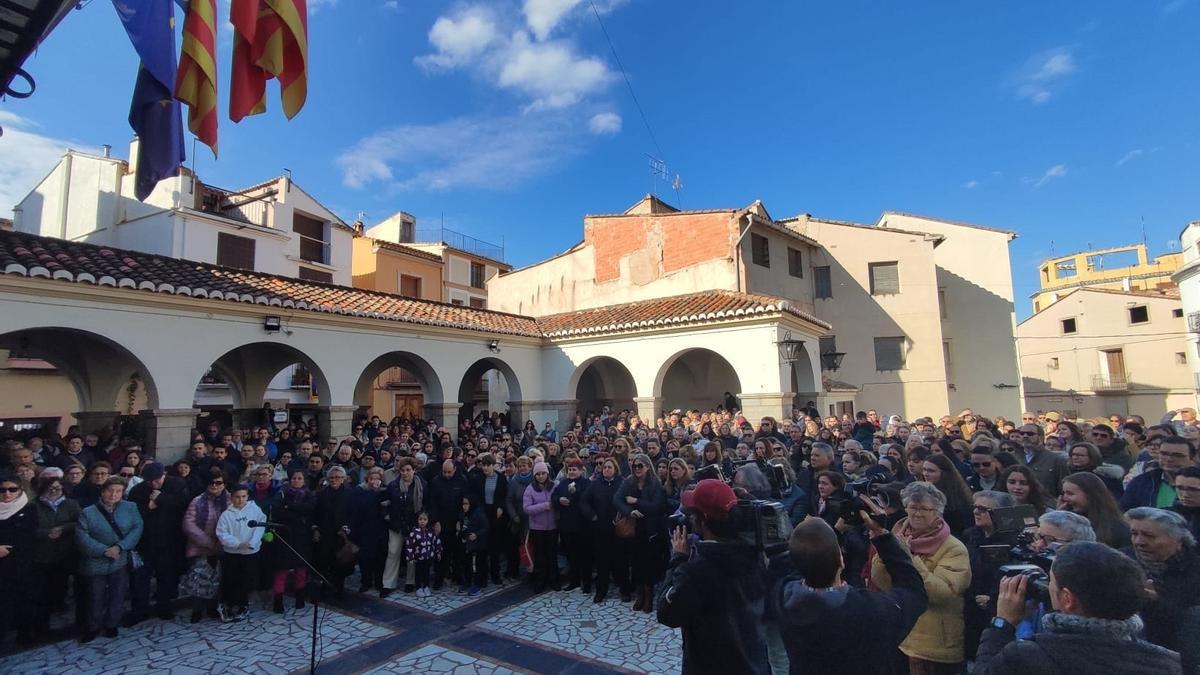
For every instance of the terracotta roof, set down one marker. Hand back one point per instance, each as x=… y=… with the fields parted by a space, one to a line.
x=34 y=256
x=406 y=250
x=679 y=310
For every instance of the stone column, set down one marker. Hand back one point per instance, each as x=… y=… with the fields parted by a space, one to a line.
x=758 y=406
x=168 y=432
x=446 y=415
x=91 y=421
x=335 y=422
x=649 y=409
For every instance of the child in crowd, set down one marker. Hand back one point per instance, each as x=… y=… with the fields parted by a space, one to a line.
x=239 y=562
x=423 y=547
x=473 y=533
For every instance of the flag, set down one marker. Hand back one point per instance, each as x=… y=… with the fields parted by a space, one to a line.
x=154 y=113
x=270 y=40
x=196 y=81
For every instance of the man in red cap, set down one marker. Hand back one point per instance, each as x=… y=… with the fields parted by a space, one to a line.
x=715 y=592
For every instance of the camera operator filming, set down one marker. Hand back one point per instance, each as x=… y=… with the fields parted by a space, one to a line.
x=1096 y=593
x=716 y=595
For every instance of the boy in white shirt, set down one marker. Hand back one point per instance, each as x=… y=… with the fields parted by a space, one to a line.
x=239 y=562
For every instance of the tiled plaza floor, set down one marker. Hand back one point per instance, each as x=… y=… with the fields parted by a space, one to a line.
x=506 y=630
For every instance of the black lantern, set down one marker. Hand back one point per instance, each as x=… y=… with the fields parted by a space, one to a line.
x=832 y=360
x=791 y=349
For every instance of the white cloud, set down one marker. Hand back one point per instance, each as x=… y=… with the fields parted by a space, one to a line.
x=543 y=15
x=460 y=39
x=1129 y=156
x=25 y=158
x=496 y=47
x=1043 y=73
x=393 y=5
x=1056 y=171
x=971 y=184
x=605 y=124
x=466 y=152
x=315 y=6
x=1174 y=6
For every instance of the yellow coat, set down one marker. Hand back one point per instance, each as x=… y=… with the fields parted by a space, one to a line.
x=938 y=634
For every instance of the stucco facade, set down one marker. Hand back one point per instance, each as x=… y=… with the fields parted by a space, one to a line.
x=1127 y=268
x=1096 y=352
x=1187 y=277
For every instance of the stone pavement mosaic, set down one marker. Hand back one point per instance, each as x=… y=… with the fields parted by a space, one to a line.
x=609 y=633
x=264 y=643
x=447 y=600
x=436 y=659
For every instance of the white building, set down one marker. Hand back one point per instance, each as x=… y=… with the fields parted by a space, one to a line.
x=1188 y=279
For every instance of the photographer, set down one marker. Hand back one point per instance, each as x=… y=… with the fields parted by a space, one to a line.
x=1095 y=592
x=821 y=617
x=716 y=596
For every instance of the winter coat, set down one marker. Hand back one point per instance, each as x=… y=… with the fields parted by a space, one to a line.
x=294 y=512
x=1143 y=489
x=1118 y=454
x=94 y=535
x=539 y=508
x=1069 y=653
x=202 y=540
x=1048 y=467
x=938 y=634
x=60 y=551
x=18 y=531
x=163 y=535
x=822 y=628
x=233 y=529
x=717 y=599
x=263 y=499
x=570 y=518
x=332 y=513
x=1173 y=616
x=422 y=544
x=404 y=504
x=476 y=523
x=368 y=529
x=499 y=496
x=516 y=497
x=652 y=503
x=444 y=498
x=598 y=506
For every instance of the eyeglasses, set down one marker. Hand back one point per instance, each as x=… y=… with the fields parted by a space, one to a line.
x=10 y=490
x=1100 y=434
x=639 y=466
x=981 y=509
x=1027 y=433
x=216 y=482
x=981 y=465
x=1173 y=455
x=1049 y=539
x=920 y=509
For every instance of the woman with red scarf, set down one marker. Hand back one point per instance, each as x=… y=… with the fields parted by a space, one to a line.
x=935 y=645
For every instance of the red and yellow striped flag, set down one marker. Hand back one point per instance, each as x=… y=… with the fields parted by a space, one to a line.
x=196 y=81
x=270 y=41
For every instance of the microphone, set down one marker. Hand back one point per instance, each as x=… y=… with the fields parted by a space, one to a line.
x=263 y=523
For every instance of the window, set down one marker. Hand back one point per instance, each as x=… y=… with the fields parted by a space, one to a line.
x=828 y=344
x=1068 y=326
x=942 y=302
x=1140 y=314
x=1181 y=358
x=410 y=287
x=760 y=250
x=948 y=363
x=822 y=282
x=479 y=303
x=795 y=263
x=889 y=353
x=456 y=301
x=1177 y=313
x=1053 y=363
x=312 y=232
x=315 y=275
x=235 y=251
x=477 y=272
x=885 y=278
x=407 y=235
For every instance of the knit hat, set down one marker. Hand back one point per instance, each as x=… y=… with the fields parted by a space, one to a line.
x=540 y=467
x=153 y=471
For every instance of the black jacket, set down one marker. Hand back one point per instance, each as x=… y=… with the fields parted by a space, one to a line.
x=295 y=512
x=823 y=629
x=162 y=535
x=477 y=482
x=717 y=599
x=444 y=498
x=597 y=505
x=570 y=518
x=1054 y=653
x=1173 y=619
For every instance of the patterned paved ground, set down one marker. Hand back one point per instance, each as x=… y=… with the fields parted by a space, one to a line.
x=505 y=630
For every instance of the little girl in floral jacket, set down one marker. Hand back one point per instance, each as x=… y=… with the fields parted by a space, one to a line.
x=423 y=547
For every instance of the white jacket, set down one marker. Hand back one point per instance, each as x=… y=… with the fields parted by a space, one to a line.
x=233 y=529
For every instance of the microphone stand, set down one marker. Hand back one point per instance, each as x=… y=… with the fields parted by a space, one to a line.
x=312 y=657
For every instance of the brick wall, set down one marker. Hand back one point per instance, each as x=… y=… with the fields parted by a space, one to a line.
x=679 y=241
x=692 y=239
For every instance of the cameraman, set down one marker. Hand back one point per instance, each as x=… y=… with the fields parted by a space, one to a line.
x=716 y=595
x=822 y=618
x=1096 y=592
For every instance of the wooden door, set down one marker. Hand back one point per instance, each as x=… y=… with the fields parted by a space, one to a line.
x=410 y=406
x=1116 y=366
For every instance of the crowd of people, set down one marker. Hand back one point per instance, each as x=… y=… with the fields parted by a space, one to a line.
x=420 y=509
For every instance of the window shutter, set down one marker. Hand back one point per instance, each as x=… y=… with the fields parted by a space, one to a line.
x=235 y=251
x=885 y=278
x=822 y=282
x=889 y=353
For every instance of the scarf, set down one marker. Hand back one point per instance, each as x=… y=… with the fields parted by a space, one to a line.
x=925 y=544
x=1111 y=629
x=221 y=502
x=1156 y=568
x=295 y=494
x=9 y=509
x=54 y=503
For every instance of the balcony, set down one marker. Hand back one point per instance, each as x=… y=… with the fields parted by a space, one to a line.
x=461 y=242
x=1117 y=383
x=1196 y=382
x=239 y=207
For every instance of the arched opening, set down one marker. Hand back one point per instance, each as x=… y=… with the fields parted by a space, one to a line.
x=48 y=374
x=397 y=384
x=804 y=382
x=696 y=379
x=487 y=386
x=603 y=381
x=236 y=388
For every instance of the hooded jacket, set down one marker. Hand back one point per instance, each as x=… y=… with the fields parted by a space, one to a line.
x=233 y=529
x=822 y=628
x=717 y=598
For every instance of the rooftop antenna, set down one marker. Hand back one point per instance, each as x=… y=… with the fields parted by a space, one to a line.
x=658 y=169
x=677 y=185
x=1144 y=242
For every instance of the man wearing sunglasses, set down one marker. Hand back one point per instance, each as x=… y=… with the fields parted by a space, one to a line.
x=1112 y=447
x=1049 y=467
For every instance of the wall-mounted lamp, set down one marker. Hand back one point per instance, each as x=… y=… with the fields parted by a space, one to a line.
x=790 y=349
x=831 y=361
x=272 y=324
x=494 y=346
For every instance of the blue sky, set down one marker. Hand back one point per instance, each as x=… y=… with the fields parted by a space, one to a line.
x=1067 y=122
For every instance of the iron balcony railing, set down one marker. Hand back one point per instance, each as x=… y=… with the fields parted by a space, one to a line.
x=460 y=241
x=1113 y=382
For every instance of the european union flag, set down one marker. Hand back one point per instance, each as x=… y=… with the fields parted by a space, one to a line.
x=154 y=114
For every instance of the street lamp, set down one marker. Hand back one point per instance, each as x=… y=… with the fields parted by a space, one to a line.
x=832 y=360
x=791 y=349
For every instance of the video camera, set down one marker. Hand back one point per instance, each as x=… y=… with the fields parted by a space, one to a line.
x=869 y=486
x=760 y=523
x=1021 y=559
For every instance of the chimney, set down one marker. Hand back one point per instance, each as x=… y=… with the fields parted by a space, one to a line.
x=134 y=146
x=358 y=227
x=106 y=150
